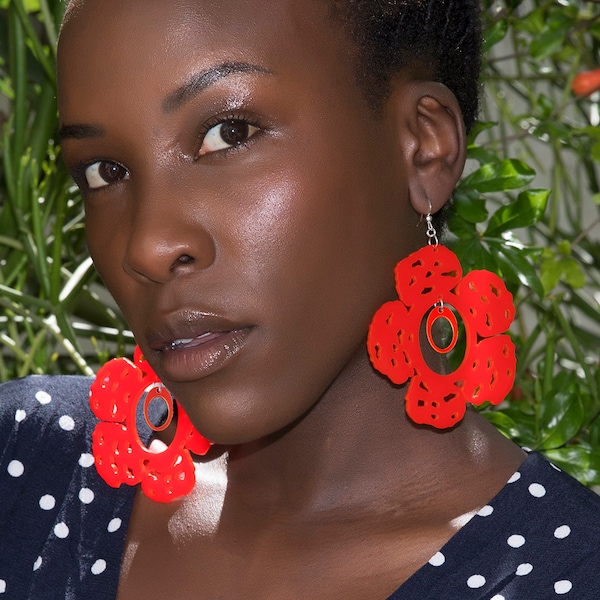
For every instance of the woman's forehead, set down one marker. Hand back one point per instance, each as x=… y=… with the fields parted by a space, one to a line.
x=245 y=15
x=150 y=30
x=106 y=43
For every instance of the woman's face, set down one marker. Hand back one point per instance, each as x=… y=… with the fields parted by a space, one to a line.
x=244 y=207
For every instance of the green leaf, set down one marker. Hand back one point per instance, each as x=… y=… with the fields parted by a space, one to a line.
x=473 y=255
x=562 y=414
x=594 y=434
x=508 y=174
x=564 y=247
x=470 y=209
x=572 y=272
x=564 y=268
x=30 y=5
x=527 y=210
x=552 y=37
x=524 y=422
x=544 y=106
x=480 y=154
x=532 y=22
x=567 y=425
x=6 y=88
x=494 y=34
x=550 y=274
x=503 y=422
x=580 y=461
x=479 y=127
x=517 y=268
x=595 y=153
x=460 y=228
x=593 y=132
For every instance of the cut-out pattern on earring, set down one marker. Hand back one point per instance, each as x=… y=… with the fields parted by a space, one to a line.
x=120 y=456
x=428 y=279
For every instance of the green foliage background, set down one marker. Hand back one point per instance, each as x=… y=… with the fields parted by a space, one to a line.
x=528 y=209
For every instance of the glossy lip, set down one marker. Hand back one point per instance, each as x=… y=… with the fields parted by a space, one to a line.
x=190 y=344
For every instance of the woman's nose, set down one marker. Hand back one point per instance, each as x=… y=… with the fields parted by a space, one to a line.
x=165 y=241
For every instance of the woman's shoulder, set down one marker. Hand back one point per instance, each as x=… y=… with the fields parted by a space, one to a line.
x=40 y=406
x=49 y=391
x=45 y=426
x=61 y=527
x=542 y=488
x=536 y=539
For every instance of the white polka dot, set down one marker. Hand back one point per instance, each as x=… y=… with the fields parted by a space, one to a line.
x=61 y=530
x=476 y=581
x=437 y=560
x=99 y=567
x=47 y=502
x=86 y=460
x=43 y=397
x=20 y=416
x=498 y=597
x=515 y=477
x=66 y=423
x=486 y=511
x=114 y=525
x=86 y=496
x=562 y=532
x=524 y=569
x=515 y=541
x=555 y=467
x=2 y=586
x=15 y=468
x=37 y=564
x=537 y=490
x=563 y=587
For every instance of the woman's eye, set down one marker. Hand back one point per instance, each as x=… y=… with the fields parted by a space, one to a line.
x=103 y=173
x=228 y=134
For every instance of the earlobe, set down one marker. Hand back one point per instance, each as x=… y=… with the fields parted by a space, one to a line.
x=435 y=149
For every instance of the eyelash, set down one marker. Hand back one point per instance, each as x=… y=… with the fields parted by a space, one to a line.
x=78 y=172
x=251 y=120
x=79 y=169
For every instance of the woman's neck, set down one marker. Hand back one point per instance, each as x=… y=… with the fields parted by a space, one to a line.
x=356 y=450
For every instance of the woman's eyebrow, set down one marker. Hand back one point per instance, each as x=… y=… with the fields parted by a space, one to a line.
x=196 y=84
x=200 y=81
x=79 y=132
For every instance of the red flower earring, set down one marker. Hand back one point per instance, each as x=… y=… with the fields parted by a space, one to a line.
x=120 y=456
x=429 y=282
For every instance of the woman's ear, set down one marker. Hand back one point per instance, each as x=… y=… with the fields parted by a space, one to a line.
x=433 y=141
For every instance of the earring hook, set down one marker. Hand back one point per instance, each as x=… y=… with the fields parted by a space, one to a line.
x=432 y=238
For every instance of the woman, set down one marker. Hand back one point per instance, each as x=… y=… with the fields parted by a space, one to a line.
x=253 y=171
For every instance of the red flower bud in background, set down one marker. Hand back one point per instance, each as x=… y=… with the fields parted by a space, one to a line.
x=586 y=82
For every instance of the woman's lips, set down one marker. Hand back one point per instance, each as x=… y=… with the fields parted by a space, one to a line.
x=183 y=343
x=187 y=359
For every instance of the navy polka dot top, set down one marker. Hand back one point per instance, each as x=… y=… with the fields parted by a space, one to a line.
x=62 y=529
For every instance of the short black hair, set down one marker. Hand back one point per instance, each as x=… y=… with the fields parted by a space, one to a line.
x=441 y=38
